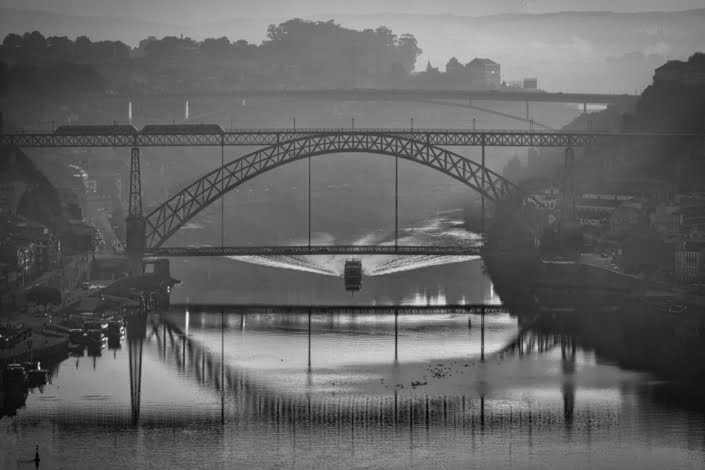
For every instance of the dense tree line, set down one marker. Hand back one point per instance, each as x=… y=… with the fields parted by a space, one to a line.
x=296 y=53
x=35 y=48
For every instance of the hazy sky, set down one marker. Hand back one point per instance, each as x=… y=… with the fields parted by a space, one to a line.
x=198 y=11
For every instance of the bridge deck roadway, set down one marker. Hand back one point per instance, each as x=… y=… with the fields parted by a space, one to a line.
x=349 y=250
x=191 y=136
x=344 y=309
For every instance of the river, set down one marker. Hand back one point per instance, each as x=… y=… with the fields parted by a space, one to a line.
x=447 y=390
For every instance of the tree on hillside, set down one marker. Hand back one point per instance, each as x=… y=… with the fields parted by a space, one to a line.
x=68 y=77
x=216 y=47
x=60 y=47
x=34 y=42
x=410 y=51
x=13 y=40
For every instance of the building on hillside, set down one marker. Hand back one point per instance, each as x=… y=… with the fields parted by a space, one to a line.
x=484 y=73
x=29 y=249
x=454 y=66
x=595 y=212
x=105 y=182
x=689 y=263
x=21 y=259
x=548 y=197
x=652 y=189
x=531 y=83
x=692 y=212
x=666 y=220
x=627 y=217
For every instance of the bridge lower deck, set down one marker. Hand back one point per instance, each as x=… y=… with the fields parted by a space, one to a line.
x=349 y=250
x=345 y=309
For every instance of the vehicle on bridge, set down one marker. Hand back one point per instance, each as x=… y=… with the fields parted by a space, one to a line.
x=182 y=129
x=117 y=129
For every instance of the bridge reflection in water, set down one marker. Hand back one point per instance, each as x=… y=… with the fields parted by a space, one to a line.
x=249 y=399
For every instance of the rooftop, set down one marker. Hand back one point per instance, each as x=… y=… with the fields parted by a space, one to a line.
x=482 y=61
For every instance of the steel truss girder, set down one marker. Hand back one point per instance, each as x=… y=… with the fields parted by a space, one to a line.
x=166 y=219
x=258 y=137
x=314 y=250
x=346 y=309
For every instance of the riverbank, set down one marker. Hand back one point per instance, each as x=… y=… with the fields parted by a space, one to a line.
x=38 y=347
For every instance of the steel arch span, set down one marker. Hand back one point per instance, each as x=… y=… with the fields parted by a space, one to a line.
x=165 y=220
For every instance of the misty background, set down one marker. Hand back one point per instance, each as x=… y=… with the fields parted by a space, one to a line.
x=597 y=46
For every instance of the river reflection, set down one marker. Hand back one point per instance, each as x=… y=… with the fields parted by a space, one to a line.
x=354 y=390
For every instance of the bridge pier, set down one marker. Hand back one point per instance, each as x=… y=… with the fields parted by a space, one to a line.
x=567 y=210
x=482 y=195
x=135 y=223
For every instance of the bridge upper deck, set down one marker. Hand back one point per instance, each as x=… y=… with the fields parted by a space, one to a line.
x=210 y=135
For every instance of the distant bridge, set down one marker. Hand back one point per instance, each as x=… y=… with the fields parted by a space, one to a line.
x=377 y=94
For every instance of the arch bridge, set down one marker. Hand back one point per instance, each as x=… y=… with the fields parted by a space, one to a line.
x=146 y=234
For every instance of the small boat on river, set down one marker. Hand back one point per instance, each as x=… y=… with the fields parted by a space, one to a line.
x=353 y=275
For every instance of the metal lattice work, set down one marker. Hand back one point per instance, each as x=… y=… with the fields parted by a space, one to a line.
x=315 y=250
x=319 y=309
x=135 y=209
x=166 y=219
x=256 y=137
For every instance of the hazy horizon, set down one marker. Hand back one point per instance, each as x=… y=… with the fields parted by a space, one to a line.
x=187 y=12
